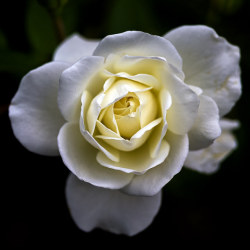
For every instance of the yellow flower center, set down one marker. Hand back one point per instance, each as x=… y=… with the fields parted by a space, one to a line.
x=127 y=105
x=131 y=112
x=127 y=115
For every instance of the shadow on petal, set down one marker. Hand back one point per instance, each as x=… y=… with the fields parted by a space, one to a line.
x=92 y=207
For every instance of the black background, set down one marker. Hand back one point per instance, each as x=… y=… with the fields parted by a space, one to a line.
x=197 y=210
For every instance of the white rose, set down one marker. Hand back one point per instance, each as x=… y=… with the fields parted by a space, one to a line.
x=124 y=112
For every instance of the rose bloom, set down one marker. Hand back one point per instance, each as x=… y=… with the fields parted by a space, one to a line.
x=125 y=114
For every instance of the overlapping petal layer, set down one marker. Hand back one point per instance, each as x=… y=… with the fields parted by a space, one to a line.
x=136 y=43
x=122 y=144
x=137 y=161
x=207 y=160
x=209 y=62
x=74 y=81
x=110 y=152
x=154 y=179
x=206 y=127
x=80 y=158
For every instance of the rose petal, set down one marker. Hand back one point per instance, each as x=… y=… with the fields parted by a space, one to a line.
x=228 y=124
x=148 y=107
x=136 y=43
x=110 y=210
x=110 y=152
x=93 y=112
x=107 y=117
x=137 y=161
x=146 y=79
x=150 y=65
x=160 y=131
x=80 y=157
x=34 y=114
x=73 y=48
x=208 y=160
x=185 y=104
x=196 y=89
x=105 y=132
x=120 y=143
x=209 y=62
x=120 y=89
x=128 y=125
x=206 y=127
x=154 y=179
x=74 y=81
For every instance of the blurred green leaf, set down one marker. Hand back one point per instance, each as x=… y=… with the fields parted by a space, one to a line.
x=55 y=6
x=131 y=15
x=19 y=63
x=71 y=16
x=40 y=28
x=3 y=41
x=227 y=7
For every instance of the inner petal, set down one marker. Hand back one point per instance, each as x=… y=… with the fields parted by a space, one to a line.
x=150 y=66
x=107 y=117
x=148 y=107
x=127 y=105
x=128 y=124
x=137 y=140
x=120 y=88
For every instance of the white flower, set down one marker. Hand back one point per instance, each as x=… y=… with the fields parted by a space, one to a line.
x=124 y=112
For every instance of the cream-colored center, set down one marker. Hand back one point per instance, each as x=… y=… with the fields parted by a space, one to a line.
x=131 y=112
x=126 y=106
x=126 y=114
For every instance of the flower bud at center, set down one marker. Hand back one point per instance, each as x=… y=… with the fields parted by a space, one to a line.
x=127 y=115
x=130 y=113
x=127 y=105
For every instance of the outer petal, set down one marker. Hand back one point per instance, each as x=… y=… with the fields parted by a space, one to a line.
x=34 y=114
x=209 y=62
x=136 y=43
x=206 y=127
x=111 y=210
x=72 y=83
x=208 y=160
x=228 y=125
x=73 y=48
x=80 y=157
x=154 y=179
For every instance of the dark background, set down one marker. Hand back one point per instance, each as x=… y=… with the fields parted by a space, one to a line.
x=197 y=210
